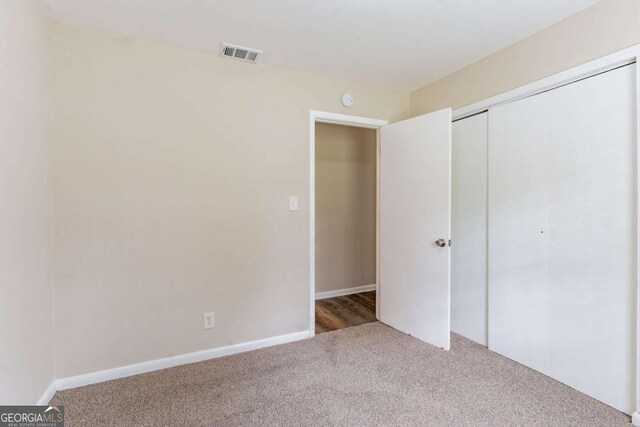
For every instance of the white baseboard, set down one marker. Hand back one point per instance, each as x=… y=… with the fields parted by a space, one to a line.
x=346 y=291
x=48 y=394
x=635 y=419
x=168 y=362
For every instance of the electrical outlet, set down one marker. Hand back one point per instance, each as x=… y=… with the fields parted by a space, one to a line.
x=209 y=320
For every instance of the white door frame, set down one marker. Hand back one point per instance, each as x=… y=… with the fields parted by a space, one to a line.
x=345 y=120
x=622 y=57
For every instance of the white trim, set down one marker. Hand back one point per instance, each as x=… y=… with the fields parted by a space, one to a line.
x=169 y=362
x=338 y=119
x=343 y=119
x=378 y=182
x=622 y=57
x=636 y=415
x=312 y=221
x=48 y=394
x=345 y=291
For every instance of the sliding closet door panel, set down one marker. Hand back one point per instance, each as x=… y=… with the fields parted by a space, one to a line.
x=562 y=234
x=469 y=228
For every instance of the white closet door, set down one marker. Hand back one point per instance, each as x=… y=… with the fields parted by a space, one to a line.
x=469 y=228
x=562 y=234
x=415 y=212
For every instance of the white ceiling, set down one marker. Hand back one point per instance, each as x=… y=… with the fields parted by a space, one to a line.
x=401 y=44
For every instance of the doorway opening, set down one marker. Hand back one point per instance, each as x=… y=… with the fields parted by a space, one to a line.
x=345 y=226
x=344 y=165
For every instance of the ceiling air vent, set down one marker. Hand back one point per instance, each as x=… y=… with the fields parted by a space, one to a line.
x=240 y=53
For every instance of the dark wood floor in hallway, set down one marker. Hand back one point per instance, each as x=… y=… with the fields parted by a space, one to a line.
x=345 y=311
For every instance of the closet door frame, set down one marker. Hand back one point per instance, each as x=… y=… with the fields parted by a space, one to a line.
x=623 y=57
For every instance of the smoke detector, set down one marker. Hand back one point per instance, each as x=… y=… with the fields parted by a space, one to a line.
x=240 y=53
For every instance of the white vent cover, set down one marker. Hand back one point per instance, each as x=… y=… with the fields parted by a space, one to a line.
x=240 y=53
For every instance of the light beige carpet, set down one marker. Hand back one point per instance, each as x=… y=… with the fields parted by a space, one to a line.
x=369 y=375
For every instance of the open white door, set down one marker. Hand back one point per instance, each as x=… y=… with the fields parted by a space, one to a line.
x=415 y=226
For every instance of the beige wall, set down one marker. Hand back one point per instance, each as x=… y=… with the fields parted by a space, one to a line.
x=608 y=26
x=345 y=207
x=26 y=282
x=173 y=170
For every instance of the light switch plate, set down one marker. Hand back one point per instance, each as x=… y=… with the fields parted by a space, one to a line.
x=293 y=203
x=209 y=320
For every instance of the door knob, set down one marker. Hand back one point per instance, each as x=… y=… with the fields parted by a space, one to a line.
x=441 y=243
